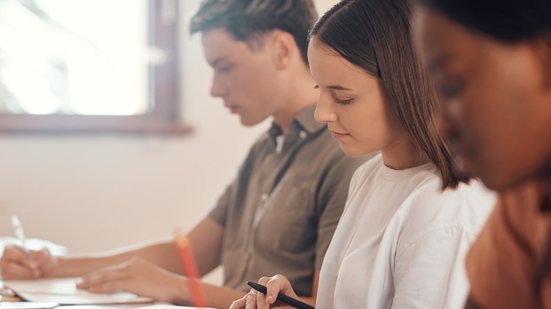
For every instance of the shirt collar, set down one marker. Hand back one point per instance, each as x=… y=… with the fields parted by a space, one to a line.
x=304 y=120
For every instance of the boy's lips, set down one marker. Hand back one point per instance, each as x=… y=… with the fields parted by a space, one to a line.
x=233 y=108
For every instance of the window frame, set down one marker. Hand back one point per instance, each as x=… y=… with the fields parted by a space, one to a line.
x=163 y=88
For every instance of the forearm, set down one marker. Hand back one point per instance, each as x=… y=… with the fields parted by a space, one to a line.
x=163 y=254
x=215 y=296
x=220 y=297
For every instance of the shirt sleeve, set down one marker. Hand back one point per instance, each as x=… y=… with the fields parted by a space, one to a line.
x=429 y=272
x=219 y=212
x=332 y=197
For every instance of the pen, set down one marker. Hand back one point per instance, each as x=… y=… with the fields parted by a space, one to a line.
x=190 y=270
x=282 y=298
x=19 y=233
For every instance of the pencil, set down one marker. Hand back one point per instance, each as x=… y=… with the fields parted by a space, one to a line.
x=190 y=270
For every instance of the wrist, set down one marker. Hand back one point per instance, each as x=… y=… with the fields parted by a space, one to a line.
x=179 y=292
x=53 y=269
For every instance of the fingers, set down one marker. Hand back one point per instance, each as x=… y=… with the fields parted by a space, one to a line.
x=17 y=264
x=41 y=257
x=240 y=303
x=110 y=287
x=250 y=300
x=16 y=271
x=101 y=279
x=275 y=285
x=44 y=261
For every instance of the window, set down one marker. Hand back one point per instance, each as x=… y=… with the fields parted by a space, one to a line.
x=89 y=66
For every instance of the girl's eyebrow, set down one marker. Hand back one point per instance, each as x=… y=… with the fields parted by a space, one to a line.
x=338 y=87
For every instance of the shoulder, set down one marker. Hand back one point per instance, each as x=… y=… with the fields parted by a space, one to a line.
x=428 y=209
x=369 y=168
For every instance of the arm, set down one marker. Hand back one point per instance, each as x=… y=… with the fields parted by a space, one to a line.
x=206 y=239
x=206 y=242
x=16 y=264
x=140 y=276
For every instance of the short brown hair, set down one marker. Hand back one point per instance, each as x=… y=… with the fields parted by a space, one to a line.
x=247 y=19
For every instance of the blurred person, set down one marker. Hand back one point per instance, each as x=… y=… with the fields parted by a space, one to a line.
x=491 y=61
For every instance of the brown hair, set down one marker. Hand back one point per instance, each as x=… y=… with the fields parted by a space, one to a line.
x=246 y=20
x=375 y=35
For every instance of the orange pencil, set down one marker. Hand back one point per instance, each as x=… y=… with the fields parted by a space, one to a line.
x=190 y=270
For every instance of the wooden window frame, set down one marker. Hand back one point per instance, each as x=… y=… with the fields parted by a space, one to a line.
x=163 y=86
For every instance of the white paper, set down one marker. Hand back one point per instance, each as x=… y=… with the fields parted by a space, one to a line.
x=168 y=307
x=27 y=305
x=65 y=292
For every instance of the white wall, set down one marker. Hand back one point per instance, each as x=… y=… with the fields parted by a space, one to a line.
x=92 y=192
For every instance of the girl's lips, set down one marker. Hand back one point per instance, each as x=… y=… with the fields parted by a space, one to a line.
x=339 y=134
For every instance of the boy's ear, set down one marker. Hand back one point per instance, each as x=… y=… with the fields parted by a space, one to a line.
x=284 y=49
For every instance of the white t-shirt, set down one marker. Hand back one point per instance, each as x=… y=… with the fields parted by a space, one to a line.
x=401 y=241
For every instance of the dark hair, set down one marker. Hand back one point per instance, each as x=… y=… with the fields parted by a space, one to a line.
x=246 y=20
x=505 y=20
x=508 y=21
x=375 y=36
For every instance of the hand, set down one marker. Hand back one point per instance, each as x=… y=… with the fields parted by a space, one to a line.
x=254 y=299
x=18 y=264
x=140 y=277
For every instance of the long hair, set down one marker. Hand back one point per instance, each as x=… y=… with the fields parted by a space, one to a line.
x=375 y=36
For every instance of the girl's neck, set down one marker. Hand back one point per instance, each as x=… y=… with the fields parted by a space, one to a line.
x=402 y=154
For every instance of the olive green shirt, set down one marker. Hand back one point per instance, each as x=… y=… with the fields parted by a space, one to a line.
x=280 y=213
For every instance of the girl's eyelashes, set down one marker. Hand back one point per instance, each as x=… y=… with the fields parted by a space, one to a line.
x=224 y=68
x=343 y=102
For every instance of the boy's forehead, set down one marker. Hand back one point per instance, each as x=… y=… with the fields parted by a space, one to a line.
x=219 y=44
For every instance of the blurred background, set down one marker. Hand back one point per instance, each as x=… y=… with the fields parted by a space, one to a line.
x=94 y=191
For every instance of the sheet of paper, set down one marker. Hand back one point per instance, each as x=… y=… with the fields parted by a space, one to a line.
x=168 y=307
x=27 y=305
x=64 y=292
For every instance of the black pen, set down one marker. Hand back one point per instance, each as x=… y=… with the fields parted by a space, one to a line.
x=282 y=298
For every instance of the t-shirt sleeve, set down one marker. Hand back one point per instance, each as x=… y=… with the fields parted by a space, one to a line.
x=429 y=272
x=332 y=197
x=219 y=212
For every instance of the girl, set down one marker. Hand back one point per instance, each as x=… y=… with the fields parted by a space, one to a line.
x=409 y=217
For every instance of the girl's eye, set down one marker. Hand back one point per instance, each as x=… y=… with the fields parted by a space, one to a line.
x=343 y=102
x=225 y=68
